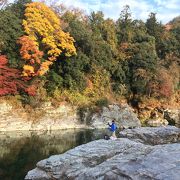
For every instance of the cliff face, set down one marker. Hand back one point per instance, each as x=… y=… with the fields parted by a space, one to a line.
x=48 y=117
x=65 y=116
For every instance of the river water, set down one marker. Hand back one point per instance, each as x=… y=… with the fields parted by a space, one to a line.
x=20 y=151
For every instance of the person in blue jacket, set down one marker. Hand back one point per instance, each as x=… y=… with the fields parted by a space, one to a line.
x=113 y=128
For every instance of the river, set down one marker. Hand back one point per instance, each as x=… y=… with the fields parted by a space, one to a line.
x=20 y=151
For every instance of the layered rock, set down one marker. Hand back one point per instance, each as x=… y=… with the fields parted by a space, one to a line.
x=153 y=136
x=119 y=159
x=157 y=122
x=173 y=116
x=43 y=118
x=122 y=114
x=48 y=117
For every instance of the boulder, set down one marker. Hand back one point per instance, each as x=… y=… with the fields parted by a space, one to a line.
x=157 y=122
x=153 y=136
x=172 y=116
x=107 y=159
x=122 y=114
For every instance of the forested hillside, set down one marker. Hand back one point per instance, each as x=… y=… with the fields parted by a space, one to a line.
x=60 y=54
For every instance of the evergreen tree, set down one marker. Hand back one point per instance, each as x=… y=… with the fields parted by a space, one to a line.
x=156 y=29
x=124 y=26
x=143 y=64
x=11 y=29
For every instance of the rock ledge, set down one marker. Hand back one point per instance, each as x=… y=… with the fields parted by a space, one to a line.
x=120 y=159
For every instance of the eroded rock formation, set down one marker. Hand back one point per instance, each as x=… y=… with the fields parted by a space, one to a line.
x=120 y=159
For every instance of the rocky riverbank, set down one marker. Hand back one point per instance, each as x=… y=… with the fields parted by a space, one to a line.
x=119 y=159
x=153 y=136
x=49 y=117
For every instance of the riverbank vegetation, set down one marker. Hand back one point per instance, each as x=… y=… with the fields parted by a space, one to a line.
x=64 y=55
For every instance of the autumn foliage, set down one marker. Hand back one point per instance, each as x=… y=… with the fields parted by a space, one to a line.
x=31 y=54
x=127 y=58
x=11 y=80
x=43 y=29
x=165 y=83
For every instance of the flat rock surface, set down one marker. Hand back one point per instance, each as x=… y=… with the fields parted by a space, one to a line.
x=153 y=135
x=120 y=159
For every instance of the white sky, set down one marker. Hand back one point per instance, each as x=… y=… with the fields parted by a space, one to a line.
x=166 y=9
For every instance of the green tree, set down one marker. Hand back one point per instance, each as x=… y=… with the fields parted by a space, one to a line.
x=92 y=49
x=176 y=33
x=72 y=71
x=103 y=29
x=109 y=33
x=11 y=29
x=79 y=29
x=18 y=8
x=96 y=21
x=124 y=26
x=156 y=29
x=143 y=64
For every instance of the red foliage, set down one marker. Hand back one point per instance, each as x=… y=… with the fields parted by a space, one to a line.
x=31 y=90
x=165 y=83
x=162 y=86
x=166 y=87
x=10 y=80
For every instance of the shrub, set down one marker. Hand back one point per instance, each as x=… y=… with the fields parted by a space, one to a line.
x=102 y=102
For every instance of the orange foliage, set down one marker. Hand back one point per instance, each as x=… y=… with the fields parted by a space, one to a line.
x=31 y=54
x=44 y=67
x=29 y=50
x=43 y=29
x=31 y=90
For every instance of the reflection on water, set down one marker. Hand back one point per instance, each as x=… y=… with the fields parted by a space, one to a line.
x=20 y=151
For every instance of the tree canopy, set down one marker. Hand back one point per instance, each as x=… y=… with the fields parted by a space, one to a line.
x=66 y=53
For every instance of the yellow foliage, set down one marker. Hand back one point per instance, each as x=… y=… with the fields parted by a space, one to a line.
x=28 y=70
x=75 y=98
x=100 y=84
x=44 y=67
x=43 y=27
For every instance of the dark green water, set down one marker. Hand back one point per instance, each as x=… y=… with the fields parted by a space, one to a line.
x=20 y=151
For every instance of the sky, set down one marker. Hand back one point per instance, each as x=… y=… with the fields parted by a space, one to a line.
x=166 y=9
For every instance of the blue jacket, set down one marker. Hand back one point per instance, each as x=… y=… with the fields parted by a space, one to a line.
x=113 y=127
